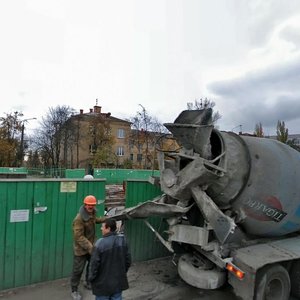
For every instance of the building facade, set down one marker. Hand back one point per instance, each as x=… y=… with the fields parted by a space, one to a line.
x=98 y=140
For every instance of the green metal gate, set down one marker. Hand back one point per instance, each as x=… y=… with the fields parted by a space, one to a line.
x=143 y=243
x=36 y=227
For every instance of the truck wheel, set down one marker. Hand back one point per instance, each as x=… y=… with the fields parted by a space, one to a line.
x=273 y=283
x=295 y=279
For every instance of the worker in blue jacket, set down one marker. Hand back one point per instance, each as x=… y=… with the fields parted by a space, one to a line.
x=109 y=264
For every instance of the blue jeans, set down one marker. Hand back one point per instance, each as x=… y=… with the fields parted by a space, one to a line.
x=116 y=296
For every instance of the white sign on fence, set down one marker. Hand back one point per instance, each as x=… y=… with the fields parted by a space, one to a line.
x=19 y=215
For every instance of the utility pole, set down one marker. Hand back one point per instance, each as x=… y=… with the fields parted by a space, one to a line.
x=240 y=132
x=21 y=155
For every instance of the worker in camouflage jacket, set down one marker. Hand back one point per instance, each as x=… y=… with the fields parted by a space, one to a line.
x=84 y=235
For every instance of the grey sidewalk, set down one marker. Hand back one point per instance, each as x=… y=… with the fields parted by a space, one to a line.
x=155 y=280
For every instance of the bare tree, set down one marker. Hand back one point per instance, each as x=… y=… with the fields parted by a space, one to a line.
x=53 y=134
x=146 y=130
x=33 y=160
x=204 y=104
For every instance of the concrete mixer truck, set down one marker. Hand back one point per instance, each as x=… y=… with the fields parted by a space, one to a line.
x=232 y=202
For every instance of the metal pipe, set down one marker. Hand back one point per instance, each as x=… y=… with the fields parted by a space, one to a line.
x=165 y=243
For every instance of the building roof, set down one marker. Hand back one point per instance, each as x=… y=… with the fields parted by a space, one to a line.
x=96 y=111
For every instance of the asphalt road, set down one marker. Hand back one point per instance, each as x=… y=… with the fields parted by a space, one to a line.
x=151 y=280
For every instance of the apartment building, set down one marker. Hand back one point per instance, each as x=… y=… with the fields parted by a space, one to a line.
x=97 y=135
x=100 y=140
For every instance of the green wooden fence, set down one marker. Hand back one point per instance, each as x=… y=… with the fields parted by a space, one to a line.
x=10 y=172
x=75 y=173
x=117 y=176
x=36 y=227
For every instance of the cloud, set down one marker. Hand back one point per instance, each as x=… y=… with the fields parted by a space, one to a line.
x=66 y=53
x=265 y=88
x=264 y=16
x=291 y=34
x=264 y=95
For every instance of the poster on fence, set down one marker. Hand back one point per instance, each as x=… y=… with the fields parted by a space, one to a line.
x=68 y=187
x=19 y=215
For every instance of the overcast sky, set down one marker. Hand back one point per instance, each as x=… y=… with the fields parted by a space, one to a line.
x=242 y=54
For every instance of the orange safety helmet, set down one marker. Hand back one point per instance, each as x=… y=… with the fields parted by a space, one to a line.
x=90 y=200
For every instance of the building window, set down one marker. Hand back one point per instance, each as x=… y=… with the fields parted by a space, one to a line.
x=120 y=151
x=139 y=157
x=93 y=149
x=131 y=157
x=121 y=133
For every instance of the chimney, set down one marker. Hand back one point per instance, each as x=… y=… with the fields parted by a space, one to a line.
x=81 y=111
x=97 y=109
x=91 y=110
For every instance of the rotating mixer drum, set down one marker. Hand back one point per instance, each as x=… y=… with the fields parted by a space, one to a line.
x=262 y=182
